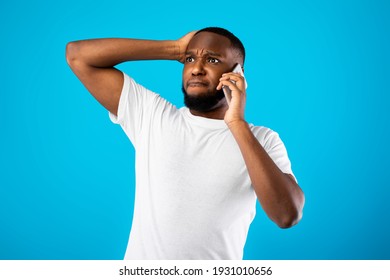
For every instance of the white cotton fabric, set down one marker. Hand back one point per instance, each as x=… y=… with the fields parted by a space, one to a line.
x=194 y=198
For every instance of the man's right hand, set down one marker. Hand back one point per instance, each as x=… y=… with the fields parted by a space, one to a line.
x=182 y=45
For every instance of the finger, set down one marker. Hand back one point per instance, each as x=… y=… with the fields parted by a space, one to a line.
x=228 y=83
x=236 y=79
x=232 y=76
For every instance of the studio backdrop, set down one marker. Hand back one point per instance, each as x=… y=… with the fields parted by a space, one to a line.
x=318 y=73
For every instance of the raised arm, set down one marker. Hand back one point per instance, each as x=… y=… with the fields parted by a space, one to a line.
x=93 y=62
x=278 y=193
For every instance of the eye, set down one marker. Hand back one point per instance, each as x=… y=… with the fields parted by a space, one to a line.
x=212 y=60
x=190 y=59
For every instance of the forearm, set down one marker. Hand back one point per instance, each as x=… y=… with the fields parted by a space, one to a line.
x=105 y=53
x=278 y=194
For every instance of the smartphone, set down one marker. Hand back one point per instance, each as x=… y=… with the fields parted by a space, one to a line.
x=226 y=89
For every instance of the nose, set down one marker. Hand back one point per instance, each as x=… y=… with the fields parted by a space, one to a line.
x=198 y=68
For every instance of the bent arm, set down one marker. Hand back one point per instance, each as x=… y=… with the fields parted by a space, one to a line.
x=278 y=193
x=93 y=62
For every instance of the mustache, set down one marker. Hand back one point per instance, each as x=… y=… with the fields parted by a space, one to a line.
x=197 y=81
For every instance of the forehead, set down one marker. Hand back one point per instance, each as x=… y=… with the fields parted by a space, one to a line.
x=211 y=42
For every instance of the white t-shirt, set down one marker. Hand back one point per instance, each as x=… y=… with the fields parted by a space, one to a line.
x=194 y=198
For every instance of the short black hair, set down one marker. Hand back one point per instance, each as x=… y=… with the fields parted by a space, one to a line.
x=236 y=43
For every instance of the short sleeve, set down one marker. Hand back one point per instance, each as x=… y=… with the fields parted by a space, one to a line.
x=275 y=148
x=134 y=103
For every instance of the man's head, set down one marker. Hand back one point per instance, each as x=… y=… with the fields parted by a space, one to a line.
x=211 y=52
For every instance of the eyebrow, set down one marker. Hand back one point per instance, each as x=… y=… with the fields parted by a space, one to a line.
x=207 y=52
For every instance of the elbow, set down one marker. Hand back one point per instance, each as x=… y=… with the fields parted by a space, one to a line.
x=290 y=220
x=292 y=217
x=71 y=52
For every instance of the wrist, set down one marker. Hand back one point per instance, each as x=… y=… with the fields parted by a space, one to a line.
x=179 y=50
x=236 y=123
x=172 y=50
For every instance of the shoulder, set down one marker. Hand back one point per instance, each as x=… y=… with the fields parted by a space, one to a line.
x=139 y=94
x=262 y=132
x=130 y=85
x=267 y=137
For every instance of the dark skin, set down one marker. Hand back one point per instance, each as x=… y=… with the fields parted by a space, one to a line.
x=208 y=60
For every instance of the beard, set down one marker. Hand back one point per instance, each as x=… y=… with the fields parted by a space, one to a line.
x=203 y=103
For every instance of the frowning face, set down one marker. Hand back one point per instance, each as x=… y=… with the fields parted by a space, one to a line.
x=208 y=56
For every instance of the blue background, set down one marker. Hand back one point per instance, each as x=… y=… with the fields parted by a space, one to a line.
x=318 y=73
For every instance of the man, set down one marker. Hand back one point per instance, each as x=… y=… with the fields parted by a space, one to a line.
x=199 y=169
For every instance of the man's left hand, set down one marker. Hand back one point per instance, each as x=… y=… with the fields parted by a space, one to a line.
x=236 y=84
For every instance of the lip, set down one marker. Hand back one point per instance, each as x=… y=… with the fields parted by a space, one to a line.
x=197 y=83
